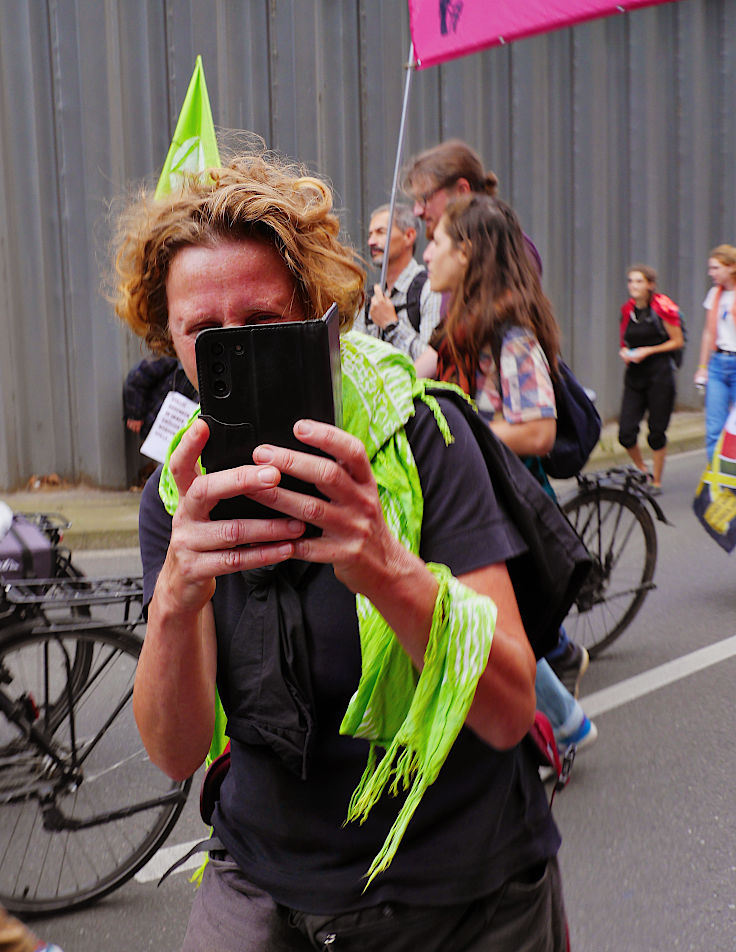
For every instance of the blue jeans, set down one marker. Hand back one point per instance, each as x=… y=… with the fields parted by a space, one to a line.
x=553 y=699
x=720 y=396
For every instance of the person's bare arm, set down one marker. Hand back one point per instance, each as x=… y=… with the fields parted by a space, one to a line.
x=426 y=363
x=532 y=438
x=174 y=694
x=675 y=342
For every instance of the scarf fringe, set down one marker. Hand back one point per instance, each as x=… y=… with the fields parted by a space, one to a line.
x=456 y=655
x=386 y=854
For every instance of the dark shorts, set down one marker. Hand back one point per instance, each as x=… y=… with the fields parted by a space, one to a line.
x=232 y=915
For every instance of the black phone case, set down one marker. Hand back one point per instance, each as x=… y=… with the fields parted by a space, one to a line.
x=255 y=382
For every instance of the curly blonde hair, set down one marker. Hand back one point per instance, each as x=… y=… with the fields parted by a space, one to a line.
x=254 y=196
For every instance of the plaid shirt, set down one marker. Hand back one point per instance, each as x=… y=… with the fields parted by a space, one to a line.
x=526 y=391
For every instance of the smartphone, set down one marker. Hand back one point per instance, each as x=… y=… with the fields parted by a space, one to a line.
x=255 y=382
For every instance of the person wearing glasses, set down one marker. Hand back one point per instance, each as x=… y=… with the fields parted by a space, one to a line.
x=433 y=178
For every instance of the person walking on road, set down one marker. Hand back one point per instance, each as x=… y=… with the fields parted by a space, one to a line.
x=407 y=313
x=717 y=365
x=394 y=630
x=650 y=333
x=500 y=342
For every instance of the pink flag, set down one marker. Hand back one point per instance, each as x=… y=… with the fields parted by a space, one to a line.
x=444 y=29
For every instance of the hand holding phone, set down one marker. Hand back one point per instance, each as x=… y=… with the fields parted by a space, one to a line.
x=255 y=382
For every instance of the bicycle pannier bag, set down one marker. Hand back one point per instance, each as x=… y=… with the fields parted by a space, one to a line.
x=25 y=551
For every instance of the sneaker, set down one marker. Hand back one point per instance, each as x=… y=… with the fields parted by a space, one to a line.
x=583 y=737
x=571 y=666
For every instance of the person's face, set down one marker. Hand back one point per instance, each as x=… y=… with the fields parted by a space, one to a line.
x=639 y=287
x=429 y=205
x=720 y=273
x=446 y=261
x=229 y=284
x=400 y=240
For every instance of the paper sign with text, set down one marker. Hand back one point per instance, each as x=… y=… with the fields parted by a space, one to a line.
x=174 y=413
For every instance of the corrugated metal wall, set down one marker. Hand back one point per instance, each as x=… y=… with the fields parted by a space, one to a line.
x=615 y=141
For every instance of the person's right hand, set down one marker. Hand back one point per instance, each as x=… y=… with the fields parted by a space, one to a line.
x=701 y=377
x=134 y=425
x=201 y=548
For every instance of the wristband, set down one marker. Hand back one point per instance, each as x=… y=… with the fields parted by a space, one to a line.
x=390 y=327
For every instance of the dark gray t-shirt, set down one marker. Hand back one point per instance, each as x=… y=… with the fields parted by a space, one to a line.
x=483 y=820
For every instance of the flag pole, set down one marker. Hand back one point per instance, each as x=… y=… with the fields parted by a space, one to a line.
x=400 y=148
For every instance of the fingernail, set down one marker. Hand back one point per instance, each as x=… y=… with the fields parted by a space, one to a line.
x=264 y=454
x=295 y=526
x=285 y=550
x=269 y=474
x=304 y=427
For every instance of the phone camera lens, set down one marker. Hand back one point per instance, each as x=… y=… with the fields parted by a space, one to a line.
x=218 y=349
x=218 y=367
x=219 y=387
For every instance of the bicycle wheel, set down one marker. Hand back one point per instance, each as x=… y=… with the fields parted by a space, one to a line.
x=619 y=533
x=82 y=806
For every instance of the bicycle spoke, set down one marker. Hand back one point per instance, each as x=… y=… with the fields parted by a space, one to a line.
x=77 y=825
x=618 y=531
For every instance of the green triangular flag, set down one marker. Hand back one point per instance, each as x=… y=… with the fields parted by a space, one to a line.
x=194 y=146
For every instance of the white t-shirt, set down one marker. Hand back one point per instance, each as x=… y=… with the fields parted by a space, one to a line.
x=725 y=325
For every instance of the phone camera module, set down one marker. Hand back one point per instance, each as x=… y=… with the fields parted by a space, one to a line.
x=218 y=349
x=238 y=349
x=218 y=367
x=219 y=387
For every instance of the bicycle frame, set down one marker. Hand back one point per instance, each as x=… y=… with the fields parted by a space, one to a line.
x=628 y=478
x=71 y=760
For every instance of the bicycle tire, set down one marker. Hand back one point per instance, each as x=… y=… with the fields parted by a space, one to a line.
x=619 y=533
x=129 y=806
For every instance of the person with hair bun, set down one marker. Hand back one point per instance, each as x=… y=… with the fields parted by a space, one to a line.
x=717 y=365
x=650 y=331
x=445 y=171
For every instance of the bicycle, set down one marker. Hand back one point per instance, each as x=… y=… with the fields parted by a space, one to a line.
x=610 y=513
x=82 y=807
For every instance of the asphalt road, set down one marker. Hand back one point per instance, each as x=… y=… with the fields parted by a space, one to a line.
x=648 y=820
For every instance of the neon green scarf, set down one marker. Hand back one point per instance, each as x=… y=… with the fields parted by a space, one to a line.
x=414 y=716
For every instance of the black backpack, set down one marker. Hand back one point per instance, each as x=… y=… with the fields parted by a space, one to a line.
x=548 y=576
x=412 y=306
x=578 y=426
x=578 y=422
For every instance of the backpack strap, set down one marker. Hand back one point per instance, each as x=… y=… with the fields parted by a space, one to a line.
x=548 y=576
x=413 y=298
x=412 y=307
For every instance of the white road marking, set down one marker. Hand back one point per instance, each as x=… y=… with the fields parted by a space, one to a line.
x=600 y=702
x=166 y=857
x=633 y=688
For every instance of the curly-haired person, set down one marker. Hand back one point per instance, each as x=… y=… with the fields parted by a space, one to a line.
x=385 y=656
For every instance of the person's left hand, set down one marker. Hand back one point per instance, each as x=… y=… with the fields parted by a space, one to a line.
x=382 y=311
x=355 y=538
x=638 y=354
